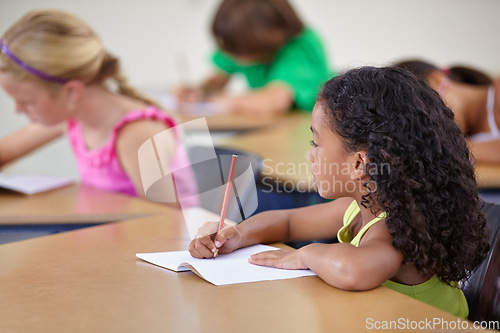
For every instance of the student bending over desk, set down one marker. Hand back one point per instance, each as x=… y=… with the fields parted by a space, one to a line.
x=283 y=61
x=475 y=101
x=407 y=213
x=55 y=68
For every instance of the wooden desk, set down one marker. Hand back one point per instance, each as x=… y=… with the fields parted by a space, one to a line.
x=73 y=204
x=284 y=150
x=89 y=280
x=488 y=176
x=216 y=122
x=234 y=122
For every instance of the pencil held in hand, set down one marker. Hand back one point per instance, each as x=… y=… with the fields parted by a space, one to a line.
x=226 y=199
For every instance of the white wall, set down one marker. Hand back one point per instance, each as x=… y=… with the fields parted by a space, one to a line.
x=150 y=36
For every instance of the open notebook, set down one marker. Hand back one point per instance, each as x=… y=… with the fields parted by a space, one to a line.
x=31 y=184
x=229 y=268
x=198 y=109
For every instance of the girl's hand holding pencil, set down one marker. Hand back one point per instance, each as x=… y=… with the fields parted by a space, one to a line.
x=208 y=241
x=215 y=240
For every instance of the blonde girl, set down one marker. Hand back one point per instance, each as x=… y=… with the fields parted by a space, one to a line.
x=59 y=74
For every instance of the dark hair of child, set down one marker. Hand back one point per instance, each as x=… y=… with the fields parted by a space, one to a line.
x=457 y=73
x=255 y=27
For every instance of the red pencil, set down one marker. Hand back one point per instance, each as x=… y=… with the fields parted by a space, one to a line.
x=226 y=197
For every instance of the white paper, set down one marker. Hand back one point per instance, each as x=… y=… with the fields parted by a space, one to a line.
x=31 y=184
x=226 y=269
x=190 y=108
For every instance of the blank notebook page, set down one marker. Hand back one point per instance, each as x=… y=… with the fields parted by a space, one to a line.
x=229 y=268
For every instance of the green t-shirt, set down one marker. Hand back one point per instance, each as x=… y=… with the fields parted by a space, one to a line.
x=301 y=64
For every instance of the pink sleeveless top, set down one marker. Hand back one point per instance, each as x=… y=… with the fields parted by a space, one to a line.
x=101 y=167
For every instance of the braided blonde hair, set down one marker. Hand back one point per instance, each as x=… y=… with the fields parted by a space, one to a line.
x=63 y=46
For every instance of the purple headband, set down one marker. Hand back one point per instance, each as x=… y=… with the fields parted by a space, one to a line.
x=25 y=66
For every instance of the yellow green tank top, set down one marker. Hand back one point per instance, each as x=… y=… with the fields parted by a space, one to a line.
x=433 y=291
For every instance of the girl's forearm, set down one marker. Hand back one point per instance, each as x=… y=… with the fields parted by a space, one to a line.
x=485 y=152
x=328 y=261
x=344 y=266
x=266 y=227
x=269 y=101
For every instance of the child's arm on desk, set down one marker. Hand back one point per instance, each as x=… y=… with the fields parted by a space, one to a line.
x=343 y=265
x=214 y=84
x=271 y=100
x=485 y=152
x=26 y=140
x=314 y=222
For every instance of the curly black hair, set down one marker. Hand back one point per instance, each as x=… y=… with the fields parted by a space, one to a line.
x=428 y=189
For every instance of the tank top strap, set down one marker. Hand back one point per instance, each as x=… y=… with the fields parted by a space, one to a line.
x=344 y=235
x=351 y=212
x=73 y=129
x=150 y=112
x=357 y=239
x=490 y=110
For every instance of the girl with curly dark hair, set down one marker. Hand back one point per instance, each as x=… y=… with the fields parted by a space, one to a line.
x=407 y=213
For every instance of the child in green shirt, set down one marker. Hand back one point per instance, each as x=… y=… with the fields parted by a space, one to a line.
x=265 y=41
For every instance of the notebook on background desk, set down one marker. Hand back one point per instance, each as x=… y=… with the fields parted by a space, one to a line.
x=199 y=109
x=31 y=184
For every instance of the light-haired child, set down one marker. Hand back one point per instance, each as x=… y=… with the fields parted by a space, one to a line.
x=59 y=74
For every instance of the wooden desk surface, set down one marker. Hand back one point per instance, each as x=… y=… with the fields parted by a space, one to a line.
x=488 y=175
x=72 y=204
x=89 y=280
x=284 y=150
x=234 y=122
